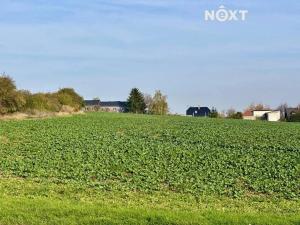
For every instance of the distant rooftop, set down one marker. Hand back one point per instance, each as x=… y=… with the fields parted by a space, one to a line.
x=248 y=113
x=92 y=102
x=105 y=104
x=113 y=104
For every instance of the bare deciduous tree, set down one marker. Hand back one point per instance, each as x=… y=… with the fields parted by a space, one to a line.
x=159 y=104
x=259 y=106
x=148 y=101
x=230 y=112
x=283 y=108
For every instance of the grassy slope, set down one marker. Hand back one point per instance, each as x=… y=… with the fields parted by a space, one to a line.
x=32 y=202
x=36 y=200
x=48 y=211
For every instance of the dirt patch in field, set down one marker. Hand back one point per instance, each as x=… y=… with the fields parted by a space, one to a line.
x=4 y=140
x=15 y=116
x=38 y=115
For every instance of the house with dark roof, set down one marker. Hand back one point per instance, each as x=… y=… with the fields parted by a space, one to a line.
x=198 y=111
x=113 y=106
x=92 y=105
x=109 y=106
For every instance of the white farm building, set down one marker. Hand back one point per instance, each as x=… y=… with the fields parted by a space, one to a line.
x=269 y=115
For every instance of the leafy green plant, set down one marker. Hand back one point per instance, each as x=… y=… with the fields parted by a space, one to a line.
x=150 y=153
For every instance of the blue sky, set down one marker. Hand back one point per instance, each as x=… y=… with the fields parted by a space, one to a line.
x=105 y=47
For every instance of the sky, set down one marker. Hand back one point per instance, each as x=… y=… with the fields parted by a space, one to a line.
x=103 y=48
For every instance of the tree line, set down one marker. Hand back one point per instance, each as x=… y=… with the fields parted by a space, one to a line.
x=233 y=114
x=66 y=99
x=138 y=102
x=13 y=100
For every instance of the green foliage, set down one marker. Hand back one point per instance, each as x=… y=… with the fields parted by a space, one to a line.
x=135 y=102
x=236 y=115
x=151 y=153
x=214 y=113
x=10 y=99
x=43 y=102
x=68 y=96
x=295 y=118
x=135 y=209
x=7 y=85
x=159 y=104
x=232 y=114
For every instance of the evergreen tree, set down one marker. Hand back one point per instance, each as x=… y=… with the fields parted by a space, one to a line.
x=136 y=102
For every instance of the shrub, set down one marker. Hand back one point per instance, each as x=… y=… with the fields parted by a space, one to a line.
x=295 y=117
x=11 y=100
x=214 y=113
x=43 y=102
x=237 y=115
x=7 y=85
x=68 y=96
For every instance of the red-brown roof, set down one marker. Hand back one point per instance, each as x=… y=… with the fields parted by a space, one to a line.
x=248 y=113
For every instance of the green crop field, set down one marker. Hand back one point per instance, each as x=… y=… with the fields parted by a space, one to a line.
x=104 y=168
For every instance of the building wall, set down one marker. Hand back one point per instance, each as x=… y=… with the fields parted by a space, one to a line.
x=92 y=108
x=249 y=117
x=112 y=109
x=274 y=116
x=260 y=114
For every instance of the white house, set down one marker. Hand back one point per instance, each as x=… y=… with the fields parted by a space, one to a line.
x=268 y=115
x=260 y=113
x=274 y=116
